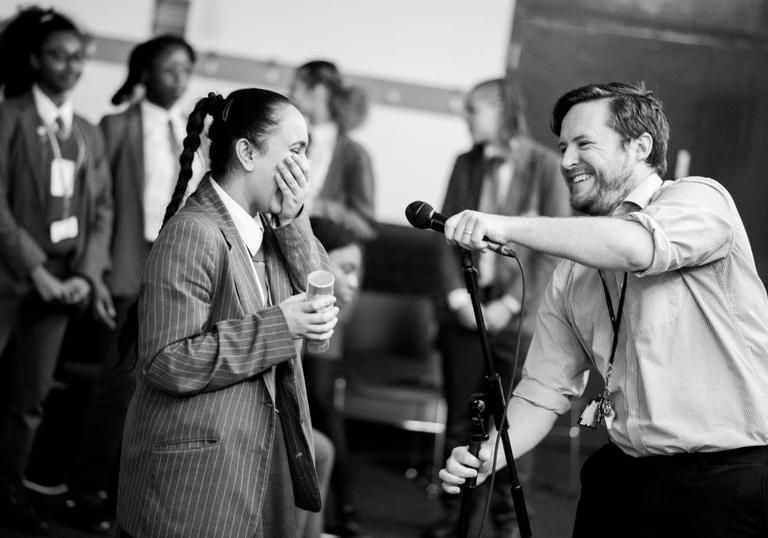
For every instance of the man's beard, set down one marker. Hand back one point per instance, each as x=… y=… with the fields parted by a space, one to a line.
x=609 y=195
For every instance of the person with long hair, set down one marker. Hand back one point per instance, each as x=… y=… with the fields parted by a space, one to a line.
x=55 y=225
x=342 y=174
x=342 y=192
x=218 y=440
x=143 y=143
x=507 y=172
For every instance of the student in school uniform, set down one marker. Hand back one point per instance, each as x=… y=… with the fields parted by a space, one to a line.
x=143 y=144
x=55 y=225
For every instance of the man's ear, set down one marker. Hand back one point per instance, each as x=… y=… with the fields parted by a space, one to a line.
x=642 y=146
x=34 y=61
x=246 y=154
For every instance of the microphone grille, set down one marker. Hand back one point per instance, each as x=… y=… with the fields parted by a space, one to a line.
x=419 y=214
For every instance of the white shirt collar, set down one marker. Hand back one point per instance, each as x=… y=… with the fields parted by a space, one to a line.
x=250 y=228
x=324 y=134
x=642 y=194
x=157 y=112
x=48 y=110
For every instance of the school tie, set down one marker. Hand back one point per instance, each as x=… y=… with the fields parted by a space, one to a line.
x=61 y=131
x=260 y=264
x=489 y=203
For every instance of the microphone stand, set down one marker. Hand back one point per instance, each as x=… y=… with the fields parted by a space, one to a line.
x=494 y=403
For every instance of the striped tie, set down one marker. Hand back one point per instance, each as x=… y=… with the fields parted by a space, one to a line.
x=260 y=264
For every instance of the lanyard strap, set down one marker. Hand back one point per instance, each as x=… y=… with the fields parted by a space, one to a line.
x=615 y=321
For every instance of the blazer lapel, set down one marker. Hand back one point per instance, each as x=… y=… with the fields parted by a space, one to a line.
x=37 y=146
x=521 y=183
x=135 y=140
x=245 y=284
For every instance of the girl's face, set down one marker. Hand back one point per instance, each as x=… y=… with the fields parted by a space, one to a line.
x=312 y=101
x=345 y=266
x=60 y=62
x=168 y=77
x=289 y=136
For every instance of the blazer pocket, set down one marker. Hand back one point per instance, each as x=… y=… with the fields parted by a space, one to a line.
x=185 y=444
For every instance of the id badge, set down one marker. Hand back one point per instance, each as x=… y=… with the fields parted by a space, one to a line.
x=64 y=229
x=62 y=178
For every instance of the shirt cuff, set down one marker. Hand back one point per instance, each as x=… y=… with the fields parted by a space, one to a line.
x=542 y=396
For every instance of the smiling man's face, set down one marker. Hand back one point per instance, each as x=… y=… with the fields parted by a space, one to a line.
x=595 y=162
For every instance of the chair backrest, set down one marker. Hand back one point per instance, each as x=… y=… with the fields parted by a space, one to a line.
x=395 y=312
x=394 y=319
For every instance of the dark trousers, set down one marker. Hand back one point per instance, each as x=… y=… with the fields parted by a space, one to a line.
x=702 y=495
x=39 y=331
x=463 y=372
x=102 y=431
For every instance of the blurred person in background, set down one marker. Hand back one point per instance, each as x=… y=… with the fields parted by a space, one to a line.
x=342 y=187
x=341 y=192
x=143 y=145
x=323 y=369
x=55 y=226
x=505 y=172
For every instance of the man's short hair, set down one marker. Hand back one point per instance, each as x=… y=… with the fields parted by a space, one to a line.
x=634 y=110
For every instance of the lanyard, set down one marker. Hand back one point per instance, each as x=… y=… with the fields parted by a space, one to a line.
x=615 y=322
x=69 y=189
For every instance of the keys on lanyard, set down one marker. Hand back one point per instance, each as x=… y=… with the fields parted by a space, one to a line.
x=600 y=408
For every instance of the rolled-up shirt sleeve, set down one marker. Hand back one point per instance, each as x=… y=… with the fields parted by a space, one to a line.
x=556 y=368
x=691 y=222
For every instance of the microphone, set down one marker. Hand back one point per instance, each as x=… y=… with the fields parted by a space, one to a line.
x=422 y=215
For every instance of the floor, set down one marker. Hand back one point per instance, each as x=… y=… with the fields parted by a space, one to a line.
x=395 y=500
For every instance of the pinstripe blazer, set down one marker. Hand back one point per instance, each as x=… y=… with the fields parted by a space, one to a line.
x=200 y=429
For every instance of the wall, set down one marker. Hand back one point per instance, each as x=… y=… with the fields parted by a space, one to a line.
x=705 y=58
x=414 y=58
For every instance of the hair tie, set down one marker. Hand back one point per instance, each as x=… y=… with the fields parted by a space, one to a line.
x=225 y=111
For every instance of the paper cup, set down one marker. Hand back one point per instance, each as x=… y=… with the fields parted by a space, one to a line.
x=319 y=283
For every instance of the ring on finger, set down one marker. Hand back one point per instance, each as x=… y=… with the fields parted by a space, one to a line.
x=467 y=232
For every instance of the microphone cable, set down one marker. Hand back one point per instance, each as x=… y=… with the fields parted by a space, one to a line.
x=508 y=397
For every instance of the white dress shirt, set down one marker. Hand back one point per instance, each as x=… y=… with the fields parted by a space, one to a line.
x=161 y=161
x=250 y=228
x=320 y=152
x=48 y=110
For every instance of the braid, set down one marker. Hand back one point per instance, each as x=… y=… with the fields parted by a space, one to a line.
x=136 y=66
x=213 y=105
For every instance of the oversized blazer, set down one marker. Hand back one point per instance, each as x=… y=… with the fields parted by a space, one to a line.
x=123 y=135
x=200 y=429
x=347 y=193
x=537 y=189
x=25 y=178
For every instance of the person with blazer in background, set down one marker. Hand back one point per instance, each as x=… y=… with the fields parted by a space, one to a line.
x=342 y=192
x=143 y=145
x=509 y=173
x=55 y=225
x=218 y=436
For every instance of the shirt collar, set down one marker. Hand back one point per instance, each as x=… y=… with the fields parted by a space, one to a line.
x=642 y=194
x=48 y=110
x=250 y=228
x=154 y=112
x=324 y=134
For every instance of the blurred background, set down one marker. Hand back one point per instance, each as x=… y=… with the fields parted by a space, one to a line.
x=707 y=59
